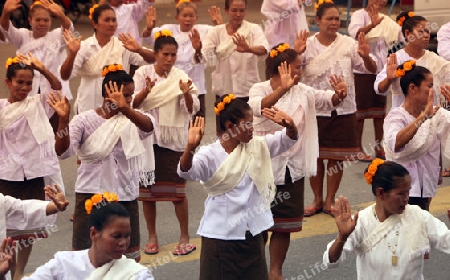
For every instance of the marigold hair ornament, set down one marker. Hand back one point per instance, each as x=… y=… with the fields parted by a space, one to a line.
x=321 y=2
x=163 y=33
x=221 y=105
x=91 y=11
x=98 y=198
x=402 y=19
x=111 y=68
x=182 y=1
x=405 y=67
x=279 y=49
x=372 y=169
x=10 y=61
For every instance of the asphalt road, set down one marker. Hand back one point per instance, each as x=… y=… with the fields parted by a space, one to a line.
x=306 y=250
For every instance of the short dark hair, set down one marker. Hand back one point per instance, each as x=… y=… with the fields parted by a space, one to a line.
x=272 y=64
x=161 y=41
x=386 y=174
x=325 y=6
x=99 y=10
x=120 y=77
x=104 y=212
x=414 y=76
x=13 y=68
x=228 y=2
x=233 y=112
x=410 y=22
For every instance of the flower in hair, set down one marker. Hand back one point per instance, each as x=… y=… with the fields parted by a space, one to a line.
x=280 y=49
x=411 y=14
x=405 y=67
x=111 y=68
x=35 y=3
x=372 y=169
x=182 y=1
x=408 y=65
x=163 y=33
x=91 y=11
x=97 y=198
x=321 y=2
x=221 y=105
x=401 y=20
x=10 y=61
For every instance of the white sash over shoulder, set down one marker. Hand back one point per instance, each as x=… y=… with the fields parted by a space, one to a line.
x=227 y=47
x=124 y=269
x=388 y=29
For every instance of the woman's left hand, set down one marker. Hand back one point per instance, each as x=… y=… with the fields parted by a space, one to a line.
x=52 y=7
x=57 y=196
x=31 y=61
x=115 y=95
x=363 y=45
x=241 y=43
x=278 y=116
x=195 y=39
x=129 y=42
x=339 y=85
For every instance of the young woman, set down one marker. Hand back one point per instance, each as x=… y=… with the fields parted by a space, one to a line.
x=237 y=174
x=109 y=232
x=26 y=138
x=47 y=46
x=284 y=91
x=188 y=35
x=168 y=94
x=327 y=53
x=390 y=238
x=416 y=31
x=109 y=143
x=87 y=58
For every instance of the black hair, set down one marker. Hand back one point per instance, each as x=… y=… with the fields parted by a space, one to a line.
x=35 y=7
x=233 y=112
x=272 y=64
x=228 y=2
x=410 y=22
x=414 y=76
x=99 y=10
x=162 y=40
x=104 y=212
x=13 y=68
x=386 y=174
x=120 y=77
x=323 y=7
x=183 y=5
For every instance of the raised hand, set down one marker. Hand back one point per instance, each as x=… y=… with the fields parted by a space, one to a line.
x=31 y=61
x=278 y=116
x=391 y=66
x=149 y=84
x=60 y=104
x=445 y=91
x=300 y=41
x=196 y=131
x=150 y=18
x=287 y=81
x=430 y=110
x=363 y=45
x=343 y=216
x=115 y=95
x=339 y=85
x=7 y=253
x=11 y=5
x=57 y=196
x=195 y=39
x=73 y=43
x=216 y=16
x=241 y=43
x=52 y=7
x=129 y=42
x=186 y=86
x=373 y=12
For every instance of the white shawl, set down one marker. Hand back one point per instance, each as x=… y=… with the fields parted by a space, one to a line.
x=111 y=53
x=124 y=269
x=307 y=149
x=100 y=144
x=252 y=158
x=31 y=108
x=165 y=96
x=227 y=46
x=388 y=29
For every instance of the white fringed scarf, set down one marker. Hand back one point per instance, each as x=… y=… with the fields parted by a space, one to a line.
x=227 y=46
x=388 y=29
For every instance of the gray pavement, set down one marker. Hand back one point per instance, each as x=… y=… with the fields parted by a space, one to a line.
x=306 y=248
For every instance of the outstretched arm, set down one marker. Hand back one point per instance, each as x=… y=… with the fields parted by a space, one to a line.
x=9 y=7
x=133 y=46
x=283 y=119
x=195 y=135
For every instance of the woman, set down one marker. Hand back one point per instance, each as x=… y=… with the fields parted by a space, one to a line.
x=390 y=238
x=327 y=53
x=109 y=231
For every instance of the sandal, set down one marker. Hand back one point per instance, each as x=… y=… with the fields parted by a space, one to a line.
x=365 y=157
x=184 y=249
x=446 y=172
x=311 y=211
x=328 y=212
x=151 y=249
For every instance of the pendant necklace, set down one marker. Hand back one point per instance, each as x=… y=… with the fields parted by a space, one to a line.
x=392 y=247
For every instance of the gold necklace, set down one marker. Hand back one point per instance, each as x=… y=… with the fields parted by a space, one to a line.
x=392 y=248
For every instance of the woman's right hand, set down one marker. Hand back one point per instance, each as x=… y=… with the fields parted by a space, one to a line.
x=287 y=81
x=391 y=66
x=60 y=104
x=215 y=15
x=11 y=5
x=150 y=18
x=342 y=214
x=73 y=43
x=195 y=133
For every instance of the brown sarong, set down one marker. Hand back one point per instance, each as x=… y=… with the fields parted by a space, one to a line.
x=369 y=105
x=27 y=189
x=287 y=207
x=168 y=185
x=81 y=239
x=338 y=137
x=233 y=259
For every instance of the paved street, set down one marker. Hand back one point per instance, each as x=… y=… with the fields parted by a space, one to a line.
x=305 y=254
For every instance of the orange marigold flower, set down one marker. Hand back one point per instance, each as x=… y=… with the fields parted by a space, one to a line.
x=273 y=53
x=91 y=11
x=96 y=198
x=88 y=206
x=407 y=66
x=401 y=20
x=411 y=14
x=400 y=73
x=368 y=178
x=182 y=1
x=372 y=169
x=10 y=61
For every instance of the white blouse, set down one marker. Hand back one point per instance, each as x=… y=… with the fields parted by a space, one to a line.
x=376 y=264
x=110 y=174
x=185 y=54
x=228 y=216
x=128 y=17
x=73 y=265
x=443 y=37
x=237 y=73
x=425 y=171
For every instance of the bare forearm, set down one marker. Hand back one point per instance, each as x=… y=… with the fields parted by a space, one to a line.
x=142 y=121
x=147 y=55
x=51 y=209
x=271 y=99
x=370 y=64
x=65 y=21
x=189 y=101
x=292 y=132
x=258 y=50
x=4 y=20
x=147 y=32
x=2 y=36
x=67 y=66
x=384 y=85
x=186 y=158
x=140 y=97
x=406 y=134
x=54 y=82
x=62 y=138
x=336 y=249
x=366 y=29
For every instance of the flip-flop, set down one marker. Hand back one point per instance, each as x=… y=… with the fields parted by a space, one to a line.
x=365 y=158
x=71 y=218
x=184 y=249
x=151 y=249
x=446 y=172
x=328 y=212
x=311 y=211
